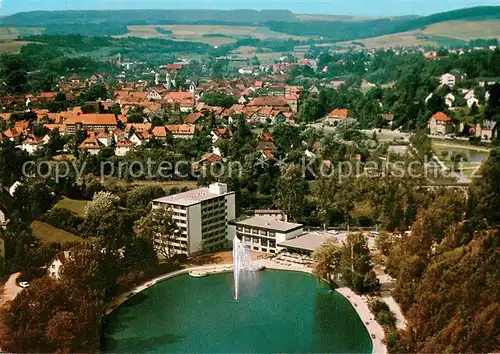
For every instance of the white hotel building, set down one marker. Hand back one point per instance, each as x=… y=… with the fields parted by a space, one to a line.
x=264 y=234
x=202 y=217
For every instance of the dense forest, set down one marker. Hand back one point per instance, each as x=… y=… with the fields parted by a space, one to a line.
x=447 y=272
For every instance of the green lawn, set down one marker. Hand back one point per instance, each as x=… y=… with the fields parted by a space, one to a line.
x=48 y=233
x=73 y=205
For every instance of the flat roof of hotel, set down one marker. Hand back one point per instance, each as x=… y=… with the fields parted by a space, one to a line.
x=268 y=224
x=192 y=197
x=311 y=241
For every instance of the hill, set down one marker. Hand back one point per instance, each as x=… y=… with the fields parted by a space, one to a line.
x=146 y=17
x=350 y=30
x=447 y=28
x=447 y=34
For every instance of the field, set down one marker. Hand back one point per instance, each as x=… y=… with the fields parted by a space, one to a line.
x=198 y=33
x=465 y=30
x=75 y=206
x=11 y=33
x=249 y=52
x=445 y=33
x=47 y=233
x=11 y=47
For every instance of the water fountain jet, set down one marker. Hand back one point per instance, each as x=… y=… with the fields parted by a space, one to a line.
x=241 y=263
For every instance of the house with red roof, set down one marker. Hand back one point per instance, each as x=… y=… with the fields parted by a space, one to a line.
x=91 y=144
x=174 y=67
x=293 y=101
x=157 y=93
x=337 y=115
x=184 y=100
x=182 y=131
x=11 y=134
x=193 y=118
x=105 y=138
x=93 y=122
x=440 y=124
x=46 y=96
x=279 y=103
x=31 y=144
x=124 y=146
x=159 y=132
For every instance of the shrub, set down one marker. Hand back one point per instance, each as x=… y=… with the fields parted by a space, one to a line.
x=64 y=219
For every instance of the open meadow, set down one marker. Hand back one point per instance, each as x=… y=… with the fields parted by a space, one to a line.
x=48 y=233
x=11 y=47
x=213 y=35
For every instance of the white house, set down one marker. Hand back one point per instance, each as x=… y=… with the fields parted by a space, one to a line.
x=105 y=138
x=55 y=266
x=156 y=94
x=471 y=101
x=449 y=99
x=440 y=124
x=469 y=94
x=31 y=144
x=448 y=79
x=13 y=188
x=123 y=147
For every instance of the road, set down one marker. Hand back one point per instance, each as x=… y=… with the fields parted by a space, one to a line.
x=10 y=289
x=380 y=132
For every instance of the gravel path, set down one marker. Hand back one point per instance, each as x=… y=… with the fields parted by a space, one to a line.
x=10 y=289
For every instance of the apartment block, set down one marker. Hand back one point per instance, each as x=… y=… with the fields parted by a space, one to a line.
x=264 y=234
x=202 y=217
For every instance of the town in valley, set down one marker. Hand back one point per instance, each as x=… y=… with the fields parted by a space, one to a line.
x=138 y=152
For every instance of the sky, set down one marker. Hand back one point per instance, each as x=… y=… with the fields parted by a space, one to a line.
x=332 y=7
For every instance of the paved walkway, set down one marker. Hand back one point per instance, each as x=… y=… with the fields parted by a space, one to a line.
x=395 y=309
x=10 y=289
x=387 y=284
x=375 y=330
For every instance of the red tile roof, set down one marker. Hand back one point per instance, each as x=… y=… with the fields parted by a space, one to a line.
x=266 y=137
x=441 y=117
x=193 y=118
x=268 y=154
x=181 y=129
x=269 y=101
x=92 y=119
x=222 y=131
x=11 y=133
x=91 y=143
x=160 y=132
x=180 y=96
x=174 y=66
x=292 y=97
x=211 y=158
x=138 y=127
x=32 y=140
x=125 y=142
x=338 y=113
